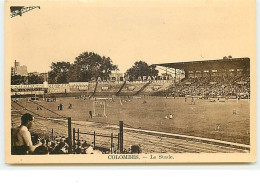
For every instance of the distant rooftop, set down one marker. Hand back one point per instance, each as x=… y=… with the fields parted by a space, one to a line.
x=209 y=64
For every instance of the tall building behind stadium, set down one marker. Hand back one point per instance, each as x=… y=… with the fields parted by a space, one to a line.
x=19 y=70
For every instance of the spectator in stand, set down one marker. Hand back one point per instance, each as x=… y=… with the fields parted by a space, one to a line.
x=79 y=150
x=41 y=150
x=84 y=144
x=90 y=149
x=52 y=147
x=60 y=149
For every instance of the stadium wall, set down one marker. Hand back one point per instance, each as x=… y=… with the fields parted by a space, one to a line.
x=87 y=88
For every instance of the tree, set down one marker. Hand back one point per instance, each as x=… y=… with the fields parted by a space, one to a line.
x=18 y=80
x=74 y=73
x=35 y=79
x=59 y=72
x=86 y=66
x=141 y=68
x=90 y=65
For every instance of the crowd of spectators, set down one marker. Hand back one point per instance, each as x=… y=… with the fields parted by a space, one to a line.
x=60 y=145
x=214 y=86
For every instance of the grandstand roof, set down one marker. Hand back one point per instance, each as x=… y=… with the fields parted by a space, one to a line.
x=210 y=64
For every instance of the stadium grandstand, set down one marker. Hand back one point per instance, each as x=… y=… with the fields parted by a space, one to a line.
x=228 y=77
x=211 y=78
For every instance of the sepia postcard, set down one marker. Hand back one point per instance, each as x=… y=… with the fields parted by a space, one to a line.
x=92 y=81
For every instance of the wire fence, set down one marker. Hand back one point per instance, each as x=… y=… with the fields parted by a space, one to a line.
x=18 y=110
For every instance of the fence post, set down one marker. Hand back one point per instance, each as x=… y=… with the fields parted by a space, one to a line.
x=52 y=134
x=94 y=142
x=118 y=141
x=78 y=134
x=121 y=123
x=111 y=143
x=74 y=143
x=69 y=134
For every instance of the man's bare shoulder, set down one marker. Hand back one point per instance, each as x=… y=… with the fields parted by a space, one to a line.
x=23 y=129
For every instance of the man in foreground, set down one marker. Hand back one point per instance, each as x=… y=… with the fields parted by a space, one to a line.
x=22 y=141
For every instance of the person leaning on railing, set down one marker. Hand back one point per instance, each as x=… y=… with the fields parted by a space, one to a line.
x=22 y=141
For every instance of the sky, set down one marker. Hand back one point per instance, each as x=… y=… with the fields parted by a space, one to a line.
x=151 y=31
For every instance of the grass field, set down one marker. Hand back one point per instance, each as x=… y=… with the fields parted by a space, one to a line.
x=200 y=119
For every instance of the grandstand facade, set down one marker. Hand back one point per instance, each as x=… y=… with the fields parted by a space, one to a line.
x=211 y=68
